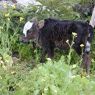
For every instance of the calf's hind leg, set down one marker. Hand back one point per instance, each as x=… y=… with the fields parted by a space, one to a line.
x=86 y=62
x=87 y=58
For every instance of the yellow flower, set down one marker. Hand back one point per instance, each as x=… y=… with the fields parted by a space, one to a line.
x=14 y=6
x=13 y=72
x=1 y=29
x=1 y=62
x=67 y=41
x=7 y=15
x=21 y=19
x=8 y=19
x=48 y=59
x=74 y=66
x=5 y=5
x=73 y=42
x=82 y=45
x=74 y=34
x=4 y=67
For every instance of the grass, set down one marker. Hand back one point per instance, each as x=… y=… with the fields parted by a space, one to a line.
x=52 y=78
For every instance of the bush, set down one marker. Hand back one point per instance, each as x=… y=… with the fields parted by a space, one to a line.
x=52 y=78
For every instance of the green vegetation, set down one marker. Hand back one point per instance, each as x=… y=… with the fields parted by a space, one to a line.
x=52 y=78
x=24 y=75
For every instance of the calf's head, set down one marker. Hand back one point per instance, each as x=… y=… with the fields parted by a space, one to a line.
x=31 y=30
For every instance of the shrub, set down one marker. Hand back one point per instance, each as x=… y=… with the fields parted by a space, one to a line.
x=52 y=78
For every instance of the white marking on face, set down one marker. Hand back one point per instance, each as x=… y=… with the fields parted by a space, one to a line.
x=27 y=26
x=87 y=48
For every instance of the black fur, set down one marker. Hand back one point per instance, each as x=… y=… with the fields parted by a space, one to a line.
x=60 y=31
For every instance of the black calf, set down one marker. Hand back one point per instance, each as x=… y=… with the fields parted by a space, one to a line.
x=50 y=33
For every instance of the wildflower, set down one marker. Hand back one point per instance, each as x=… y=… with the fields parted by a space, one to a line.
x=55 y=91
x=48 y=59
x=67 y=41
x=73 y=42
x=21 y=19
x=1 y=29
x=8 y=19
x=82 y=45
x=5 y=5
x=14 y=6
x=74 y=34
x=4 y=67
x=1 y=62
x=74 y=66
x=43 y=80
x=7 y=15
x=45 y=89
x=13 y=72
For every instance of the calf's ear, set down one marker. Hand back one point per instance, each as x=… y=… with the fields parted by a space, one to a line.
x=41 y=24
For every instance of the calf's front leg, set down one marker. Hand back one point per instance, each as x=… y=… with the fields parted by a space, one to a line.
x=44 y=52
